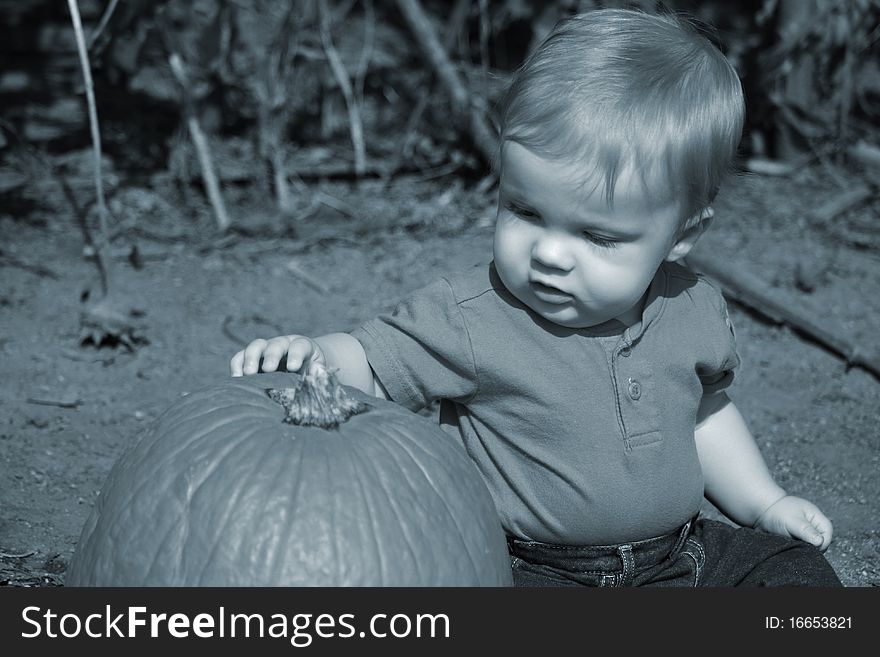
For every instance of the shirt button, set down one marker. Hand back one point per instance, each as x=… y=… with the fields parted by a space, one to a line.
x=625 y=352
x=635 y=389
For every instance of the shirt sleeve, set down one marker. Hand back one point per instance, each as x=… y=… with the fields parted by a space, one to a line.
x=421 y=351
x=716 y=368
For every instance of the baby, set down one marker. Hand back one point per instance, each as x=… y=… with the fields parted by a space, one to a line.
x=584 y=368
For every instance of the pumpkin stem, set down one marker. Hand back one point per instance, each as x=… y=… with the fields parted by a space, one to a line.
x=316 y=399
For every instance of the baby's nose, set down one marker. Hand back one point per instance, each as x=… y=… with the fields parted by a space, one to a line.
x=551 y=250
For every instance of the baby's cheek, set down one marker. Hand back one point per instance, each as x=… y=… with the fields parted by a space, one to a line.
x=615 y=286
x=511 y=259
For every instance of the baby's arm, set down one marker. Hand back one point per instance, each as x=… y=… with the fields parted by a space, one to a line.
x=338 y=351
x=739 y=483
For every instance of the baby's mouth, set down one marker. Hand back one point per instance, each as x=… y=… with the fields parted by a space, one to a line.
x=549 y=294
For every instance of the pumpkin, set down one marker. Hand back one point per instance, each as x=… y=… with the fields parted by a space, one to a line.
x=226 y=489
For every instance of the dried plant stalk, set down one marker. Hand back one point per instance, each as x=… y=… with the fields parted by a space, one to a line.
x=212 y=185
x=101 y=240
x=484 y=136
x=341 y=75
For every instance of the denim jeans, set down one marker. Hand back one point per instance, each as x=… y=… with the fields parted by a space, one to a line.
x=702 y=553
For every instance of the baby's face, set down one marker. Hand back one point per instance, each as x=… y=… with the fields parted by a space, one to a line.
x=565 y=254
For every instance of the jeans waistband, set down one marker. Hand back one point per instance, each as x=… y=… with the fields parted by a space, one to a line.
x=623 y=558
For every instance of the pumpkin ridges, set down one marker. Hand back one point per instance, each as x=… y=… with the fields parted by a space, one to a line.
x=371 y=464
x=192 y=501
x=254 y=546
x=156 y=444
x=236 y=493
x=357 y=570
x=417 y=505
x=392 y=428
x=348 y=522
x=373 y=533
x=114 y=520
x=184 y=501
x=460 y=535
x=335 y=543
x=291 y=451
x=359 y=521
x=150 y=479
x=407 y=443
x=441 y=454
x=293 y=505
x=88 y=529
x=346 y=570
x=427 y=503
x=307 y=533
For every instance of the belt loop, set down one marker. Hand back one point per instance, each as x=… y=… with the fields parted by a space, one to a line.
x=683 y=533
x=626 y=557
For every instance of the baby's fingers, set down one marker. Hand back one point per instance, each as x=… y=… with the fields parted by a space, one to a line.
x=813 y=527
x=236 y=365
x=806 y=532
x=276 y=349
x=300 y=352
x=252 y=355
x=823 y=526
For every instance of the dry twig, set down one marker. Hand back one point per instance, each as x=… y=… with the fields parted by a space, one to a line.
x=483 y=135
x=273 y=100
x=60 y=403
x=101 y=242
x=302 y=274
x=865 y=153
x=841 y=202
x=212 y=185
x=22 y=555
x=753 y=293
x=105 y=18
x=367 y=52
x=767 y=167
x=9 y=260
x=341 y=75
x=453 y=27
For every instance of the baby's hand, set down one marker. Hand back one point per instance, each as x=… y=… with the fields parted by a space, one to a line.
x=296 y=351
x=798 y=518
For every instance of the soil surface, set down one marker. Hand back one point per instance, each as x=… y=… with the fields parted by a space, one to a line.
x=68 y=410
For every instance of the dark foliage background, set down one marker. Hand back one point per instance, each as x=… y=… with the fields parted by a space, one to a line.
x=260 y=79
x=299 y=165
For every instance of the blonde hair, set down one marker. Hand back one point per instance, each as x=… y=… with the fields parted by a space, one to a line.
x=619 y=88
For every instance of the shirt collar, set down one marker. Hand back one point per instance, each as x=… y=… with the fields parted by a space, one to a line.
x=655 y=302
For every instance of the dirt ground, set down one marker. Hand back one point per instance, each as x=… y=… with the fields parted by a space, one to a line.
x=67 y=411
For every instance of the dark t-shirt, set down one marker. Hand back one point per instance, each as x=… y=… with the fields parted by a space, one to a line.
x=582 y=438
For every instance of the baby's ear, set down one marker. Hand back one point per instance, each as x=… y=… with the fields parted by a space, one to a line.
x=690 y=232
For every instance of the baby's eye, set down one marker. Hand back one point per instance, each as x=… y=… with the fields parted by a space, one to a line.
x=520 y=211
x=604 y=242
